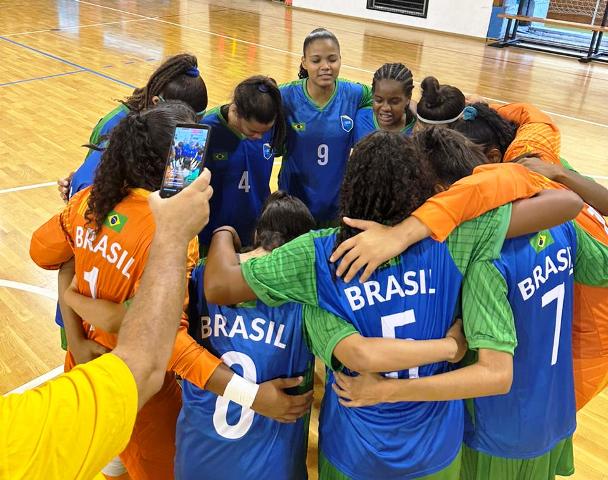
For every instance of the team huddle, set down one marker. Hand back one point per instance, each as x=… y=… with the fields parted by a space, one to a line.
x=439 y=257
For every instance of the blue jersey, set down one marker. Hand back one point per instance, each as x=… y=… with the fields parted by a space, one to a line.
x=414 y=297
x=318 y=144
x=539 y=411
x=366 y=123
x=220 y=439
x=241 y=170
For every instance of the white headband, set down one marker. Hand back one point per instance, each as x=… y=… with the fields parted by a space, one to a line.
x=439 y=122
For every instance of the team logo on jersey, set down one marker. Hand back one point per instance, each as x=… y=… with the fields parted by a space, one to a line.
x=115 y=221
x=299 y=126
x=220 y=156
x=541 y=240
x=347 y=123
x=267 y=151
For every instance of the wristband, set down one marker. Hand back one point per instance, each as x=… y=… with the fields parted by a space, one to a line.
x=222 y=229
x=241 y=391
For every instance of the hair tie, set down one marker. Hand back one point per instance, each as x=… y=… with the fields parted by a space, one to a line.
x=441 y=122
x=193 y=72
x=263 y=88
x=469 y=113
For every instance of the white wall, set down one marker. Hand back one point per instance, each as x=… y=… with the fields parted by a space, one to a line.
x=466 y=17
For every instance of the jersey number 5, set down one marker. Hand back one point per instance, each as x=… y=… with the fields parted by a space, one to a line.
x=220 y=422
x=389 y=324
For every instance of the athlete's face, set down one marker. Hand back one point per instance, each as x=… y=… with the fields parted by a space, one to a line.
x=251 y=128
x=322 y=61
x=390 y=102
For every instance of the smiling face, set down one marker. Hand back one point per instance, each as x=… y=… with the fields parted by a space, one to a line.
x=390 y=103
x=322 y=61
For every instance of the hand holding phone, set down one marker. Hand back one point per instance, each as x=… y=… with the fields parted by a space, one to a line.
x=186 y=158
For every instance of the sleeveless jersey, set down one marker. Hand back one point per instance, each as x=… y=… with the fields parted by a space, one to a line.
x=413 y=298
x=220 y=439
x=539 y=411
x=240 y=169
x=366 y=123
x=318 y=144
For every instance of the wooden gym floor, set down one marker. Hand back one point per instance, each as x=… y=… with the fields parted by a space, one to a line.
x=65 y=62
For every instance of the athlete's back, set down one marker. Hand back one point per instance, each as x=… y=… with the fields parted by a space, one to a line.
x=539 y=411
x=217 y=439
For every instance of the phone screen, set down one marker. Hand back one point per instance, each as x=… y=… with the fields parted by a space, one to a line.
x=186 y=157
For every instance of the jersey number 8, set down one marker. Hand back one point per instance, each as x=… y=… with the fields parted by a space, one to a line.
x=220 y=422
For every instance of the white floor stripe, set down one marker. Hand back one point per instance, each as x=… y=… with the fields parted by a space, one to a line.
x=38 y=380
x=296 y=54
x=45 y=292
x=74 y=27
x=28 y=187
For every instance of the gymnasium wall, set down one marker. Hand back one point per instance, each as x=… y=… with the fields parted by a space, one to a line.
x=465 y=17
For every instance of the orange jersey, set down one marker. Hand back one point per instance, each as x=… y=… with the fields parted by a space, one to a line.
x=110 y=264
x=536 y=135
x=497 y=184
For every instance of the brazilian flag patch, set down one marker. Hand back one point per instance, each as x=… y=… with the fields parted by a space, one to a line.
x=220 y=156
x=541 y=240
x=299 y=126
x=115 y=221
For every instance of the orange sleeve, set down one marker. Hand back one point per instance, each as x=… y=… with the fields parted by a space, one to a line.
x=522 y=113
x=190 y=360
x=489 y=187
x=51 y=244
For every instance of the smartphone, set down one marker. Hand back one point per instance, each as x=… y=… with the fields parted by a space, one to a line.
x=186 y=158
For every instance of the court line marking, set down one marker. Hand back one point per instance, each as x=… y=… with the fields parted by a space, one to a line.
x=27 y=187
x=25 y=287
x=246 y=42
x=25 y=80
x=36 y=382
x=45 y=292
x=67 y=62
x=61 y=29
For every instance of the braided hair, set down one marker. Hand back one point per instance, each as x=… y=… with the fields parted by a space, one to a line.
x=449 y=154
x=177 y=78
x=439 y=102
x=316 y=34
x=400 y=73
x=135 y=157
x=485 y=127
x=259 y=98
x=384 y=181
x=283 y=218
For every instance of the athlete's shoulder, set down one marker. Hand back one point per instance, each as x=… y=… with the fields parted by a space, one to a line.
x=294 y=84
x=212 y=116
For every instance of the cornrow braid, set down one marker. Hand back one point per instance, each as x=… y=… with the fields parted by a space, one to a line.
x=399 y=73
x=172 y=79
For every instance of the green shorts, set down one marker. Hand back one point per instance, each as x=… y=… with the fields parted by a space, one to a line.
x=480 y=466
x=452 y=472
x=64 y=339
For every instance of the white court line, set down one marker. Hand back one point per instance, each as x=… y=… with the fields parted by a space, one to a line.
x=28 y=187
x=38 y=380
x=61 y=29
x=200 y=30
x=45 y=292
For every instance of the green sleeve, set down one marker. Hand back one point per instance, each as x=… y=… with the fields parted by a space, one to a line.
x=566 y=164
x=480 y=239
x=591 y=265
x=366 y=97
x=487 y=316
x=323 y=332
x=287 y=274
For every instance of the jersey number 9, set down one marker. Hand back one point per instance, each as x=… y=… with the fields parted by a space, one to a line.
x=323 y=154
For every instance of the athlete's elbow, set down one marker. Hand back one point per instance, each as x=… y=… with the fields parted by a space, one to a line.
x=573 y=204
x=503 y=382
x=358 y=359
